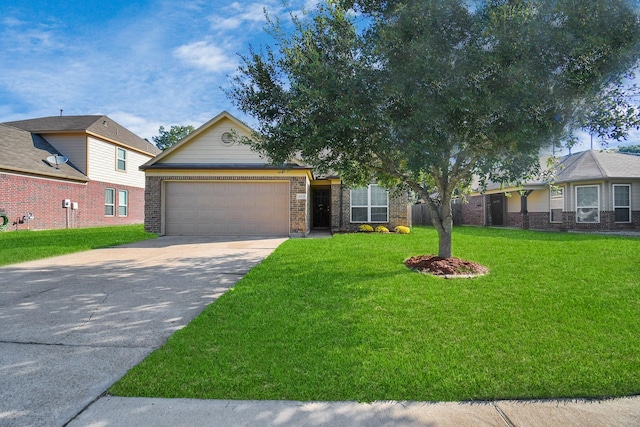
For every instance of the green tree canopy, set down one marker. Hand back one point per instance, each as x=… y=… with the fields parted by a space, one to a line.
x=423 y=95
x=168 y=138
x=633 y=149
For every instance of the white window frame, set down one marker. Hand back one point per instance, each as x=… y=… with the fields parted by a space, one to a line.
x=123 y=202
x=122 y=159
x=615 y=206
x=596 y=207
x=556 y=196
x=368 y=205
x=112 y=204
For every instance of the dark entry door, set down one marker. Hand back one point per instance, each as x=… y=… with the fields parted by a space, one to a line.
x=321 y=208
x=497 y=209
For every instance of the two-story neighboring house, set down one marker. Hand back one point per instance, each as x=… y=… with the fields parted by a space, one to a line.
x=71 y=171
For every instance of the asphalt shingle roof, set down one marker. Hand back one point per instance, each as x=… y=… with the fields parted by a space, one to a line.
x=97 y=124
x=22 y=151
x=590 y=165
x=596 y=165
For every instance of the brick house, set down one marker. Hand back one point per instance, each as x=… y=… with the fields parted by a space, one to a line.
x=209 y=184
x=95 y=170
x=594 y=190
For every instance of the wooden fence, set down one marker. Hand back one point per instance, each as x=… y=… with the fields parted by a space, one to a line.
x=420 y=214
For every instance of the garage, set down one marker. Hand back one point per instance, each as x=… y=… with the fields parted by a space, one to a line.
x=231 y=208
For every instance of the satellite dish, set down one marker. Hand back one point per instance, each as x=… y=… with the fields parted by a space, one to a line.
x=57 y=160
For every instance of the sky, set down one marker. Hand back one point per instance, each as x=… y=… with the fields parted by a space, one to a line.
x=143 y=63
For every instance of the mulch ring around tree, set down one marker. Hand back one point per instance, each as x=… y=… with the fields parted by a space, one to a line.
x=446 y=267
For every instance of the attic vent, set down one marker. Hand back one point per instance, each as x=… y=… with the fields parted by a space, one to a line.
x=227 y=138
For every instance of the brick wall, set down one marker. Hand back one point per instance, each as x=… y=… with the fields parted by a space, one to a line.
x=299 y=219
x=473 y=211
x=20 y=195
x=337 y=218
x=299 y=224
x=516 y=219
x=341 y=211
x=540 y=220
x=153 y=204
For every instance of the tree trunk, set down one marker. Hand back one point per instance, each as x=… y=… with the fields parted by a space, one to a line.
x=444 y=243
x=443 y=222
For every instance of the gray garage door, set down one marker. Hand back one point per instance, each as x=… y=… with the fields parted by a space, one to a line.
x=227 y=208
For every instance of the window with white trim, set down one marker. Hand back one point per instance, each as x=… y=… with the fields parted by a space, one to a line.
x=109 y=201
x=369 y=204
x=622 y=202
x=121 y=160
x=556 y=205
x=588 y=204
x=123 y=202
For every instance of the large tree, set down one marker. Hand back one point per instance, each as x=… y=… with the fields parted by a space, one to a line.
x=633 y=149
x=426 y=94
x=169 y=138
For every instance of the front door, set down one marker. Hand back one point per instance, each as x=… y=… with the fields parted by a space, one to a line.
x=321 y=208
x=497 y=209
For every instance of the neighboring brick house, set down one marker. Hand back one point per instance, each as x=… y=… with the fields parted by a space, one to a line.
x=208 y=184
x=594 y=190
x=101 y=179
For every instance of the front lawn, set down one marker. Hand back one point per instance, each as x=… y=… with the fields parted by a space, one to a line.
x=343 y=319
x=27 y=245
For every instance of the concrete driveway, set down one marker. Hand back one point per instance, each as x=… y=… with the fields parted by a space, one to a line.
x=70 y=326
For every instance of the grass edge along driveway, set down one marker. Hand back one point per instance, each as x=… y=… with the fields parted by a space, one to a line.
x=29 y=245
x=343 y=319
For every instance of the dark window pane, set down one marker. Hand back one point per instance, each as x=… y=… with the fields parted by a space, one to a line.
x=359 y=215
x=622 y=215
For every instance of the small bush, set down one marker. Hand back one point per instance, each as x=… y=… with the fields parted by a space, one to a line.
x=402 y=229
x=382 y=229
x=366 y=228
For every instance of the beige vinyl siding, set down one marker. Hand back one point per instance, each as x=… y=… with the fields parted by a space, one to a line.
x=102 y=164
x=208 y=148
x=570 y=194
x=635 y=195
x=538 y=201
x=569 y=198
x=606 y=196
x=231 y=172
x=73 y=147
x=513 y=202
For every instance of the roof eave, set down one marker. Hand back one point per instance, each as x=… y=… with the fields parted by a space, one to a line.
x=36 y=174
x=219 y=166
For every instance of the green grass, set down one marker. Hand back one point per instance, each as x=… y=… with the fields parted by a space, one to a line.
x=343 y=319
x=20 y=246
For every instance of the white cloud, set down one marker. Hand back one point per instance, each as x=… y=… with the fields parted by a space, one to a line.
x=161 y=66
x=204 y=54
x=240 y=15
x=10 y=21
x=22 y=37
x=143 y=127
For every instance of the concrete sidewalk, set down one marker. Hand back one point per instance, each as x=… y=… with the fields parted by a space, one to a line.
x=134 y=412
